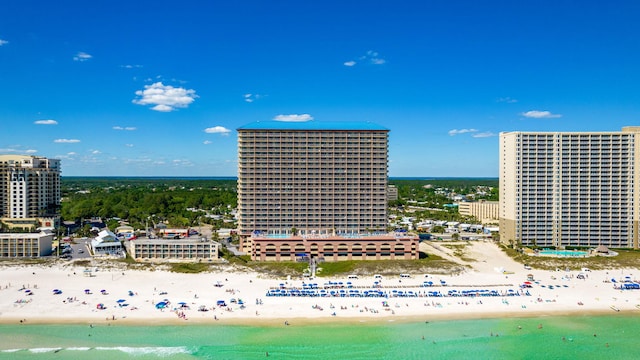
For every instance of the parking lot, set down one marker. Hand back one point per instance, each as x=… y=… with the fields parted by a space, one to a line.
x=79 y=249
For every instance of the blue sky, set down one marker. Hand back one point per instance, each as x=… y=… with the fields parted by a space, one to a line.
x=158 y=88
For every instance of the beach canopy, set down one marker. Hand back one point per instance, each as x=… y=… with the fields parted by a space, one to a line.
x=161 y=305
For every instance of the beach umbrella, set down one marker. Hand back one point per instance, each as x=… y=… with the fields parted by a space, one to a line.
x=103 y=290
x=27 y=291
x=121 y=300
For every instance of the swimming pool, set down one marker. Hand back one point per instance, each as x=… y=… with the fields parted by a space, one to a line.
x=563 y=253
x=277 y=236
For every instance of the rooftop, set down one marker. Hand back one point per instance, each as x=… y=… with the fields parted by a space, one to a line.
x=312 y=125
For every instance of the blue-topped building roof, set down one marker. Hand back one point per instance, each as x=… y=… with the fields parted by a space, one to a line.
x=312 y=125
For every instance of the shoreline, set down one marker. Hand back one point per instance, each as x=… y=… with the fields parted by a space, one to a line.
x=303 y=321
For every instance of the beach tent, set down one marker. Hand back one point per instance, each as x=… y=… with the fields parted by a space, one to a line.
x=161 y=305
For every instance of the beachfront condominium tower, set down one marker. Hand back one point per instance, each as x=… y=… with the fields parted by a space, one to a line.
x=29 y=191
x=570 y=188
x=312 y=177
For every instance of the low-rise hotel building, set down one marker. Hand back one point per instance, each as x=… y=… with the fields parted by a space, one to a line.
x=485 y=211
x=401 y=246
x=174 y=250
x=25 y=245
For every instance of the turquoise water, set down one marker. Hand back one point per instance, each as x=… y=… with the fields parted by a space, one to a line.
x=512 y=338
x=565 y=253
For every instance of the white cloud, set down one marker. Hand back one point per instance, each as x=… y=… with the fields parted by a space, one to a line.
x=181 y=162
x=66 y=141
x=95 y=152
x=252 y=97
x=162 y=108
x=537 y=114
x=31 y=151
x=3 y=42
x=130 y=66
x=461 y=131
x=71 y=153
x=45 y=122
x=207 y=142
x=371 y=57
x=165 y=97
x=507 y=100
x=293 y=117
x=483 y=134
x=128 y=128
x=128 y=145
x=82 y=56
x=217 y=130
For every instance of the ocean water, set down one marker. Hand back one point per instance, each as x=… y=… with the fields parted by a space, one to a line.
x=511 y=338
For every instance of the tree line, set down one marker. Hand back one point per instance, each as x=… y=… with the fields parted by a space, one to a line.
x=144 y=201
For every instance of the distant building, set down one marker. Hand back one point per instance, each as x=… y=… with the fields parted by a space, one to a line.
x=485 y=211
x=173 y=233
x=392 y=193
x=25 y=245
x=29 y=191
x=174 y=250
x=570 y=188
x=107 y=244
x=314 y=188
x=125 y=231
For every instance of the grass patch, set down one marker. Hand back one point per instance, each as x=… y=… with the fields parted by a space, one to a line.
x=459 y=251
x=188 y=268
x=279 y=269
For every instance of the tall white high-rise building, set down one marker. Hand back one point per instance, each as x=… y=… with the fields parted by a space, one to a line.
x=570 y=188
x=29 y=190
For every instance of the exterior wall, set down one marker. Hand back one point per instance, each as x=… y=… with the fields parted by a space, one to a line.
x=485 y=211
x=178 y=250
x=331 y=249
x=25 y=245
x=507 y=171
x=29 y=187
x=569 y=189
x=312 y=180
x=635 y=132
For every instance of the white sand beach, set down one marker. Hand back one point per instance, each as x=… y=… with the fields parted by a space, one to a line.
x=27 y=295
